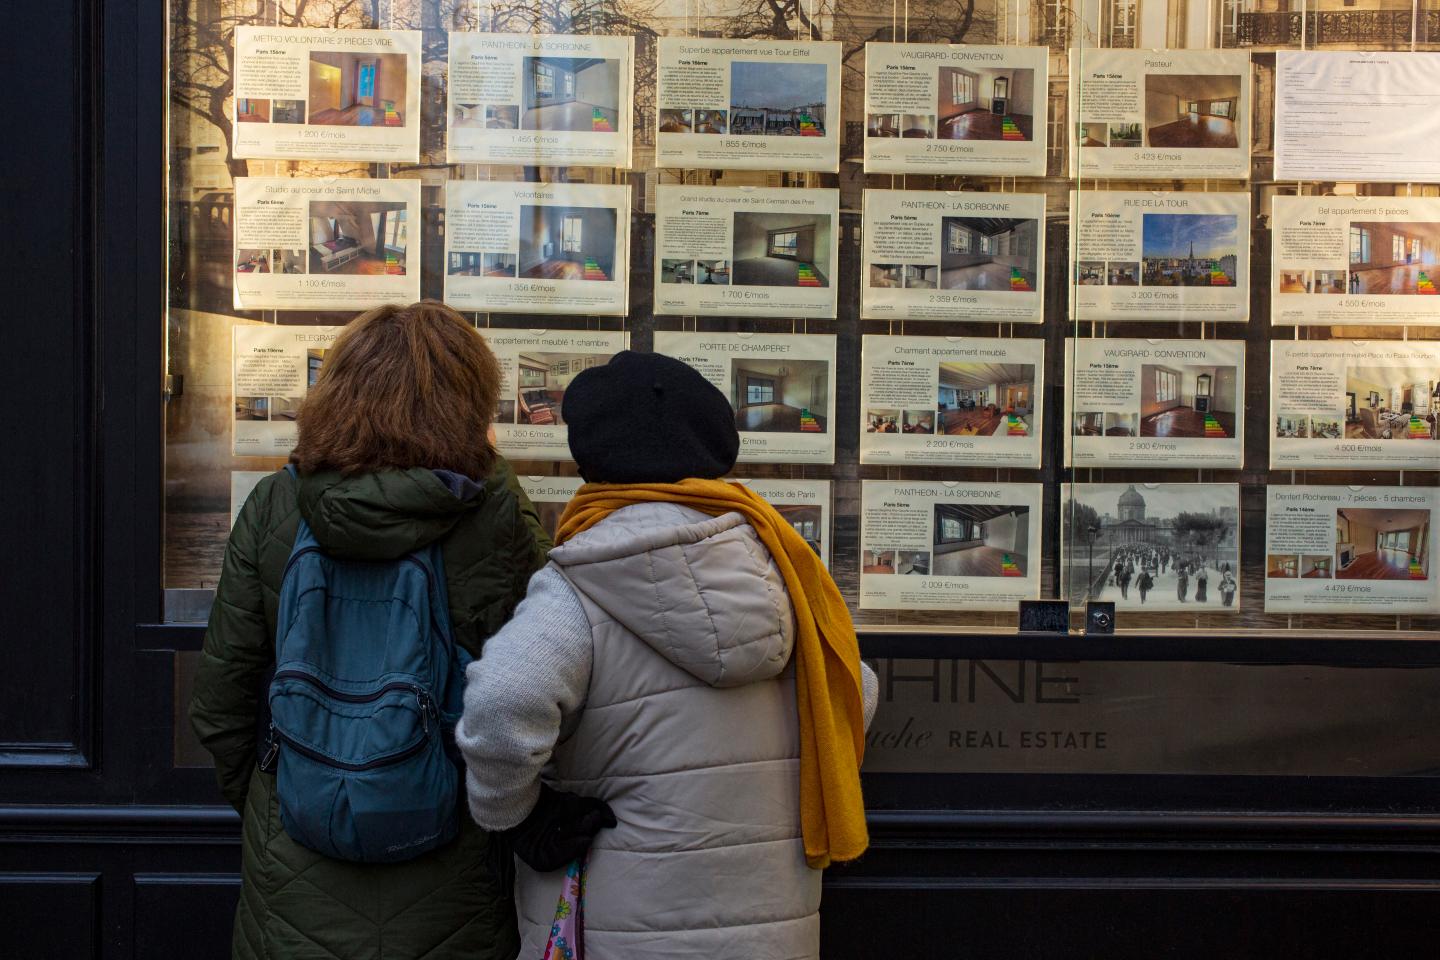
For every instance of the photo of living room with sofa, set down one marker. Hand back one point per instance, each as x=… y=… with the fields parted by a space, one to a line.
x=541 y=381
x=359 y=237
x=567 y=243
x=1382 y=544
x=989 y=253
x=781 y=250
x=986 y=399
x=985 y=104
x=1391 y=403
x=573 y=94
x=780 y=396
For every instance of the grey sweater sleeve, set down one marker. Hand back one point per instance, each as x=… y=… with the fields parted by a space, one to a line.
x=529 y=684
x=869 y=692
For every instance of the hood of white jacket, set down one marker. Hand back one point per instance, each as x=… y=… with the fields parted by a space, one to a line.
x=701 y=591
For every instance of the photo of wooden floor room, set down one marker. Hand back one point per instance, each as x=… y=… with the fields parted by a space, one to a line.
x=1382 y=544
x=780 y=396
x=1191 y=110
x=541 y=381
x=1394 y=258
x=1391 y=403
x=358 y=237
x=1188 y=401
x=567 y=243
x=980 y=540
x=1298 y=566
x=575 y=94
x=357 y=89
x=781 y=250
x=986 y=399
x=777 y=99
x=989 y=253
x=475 y=116
x=985 y=104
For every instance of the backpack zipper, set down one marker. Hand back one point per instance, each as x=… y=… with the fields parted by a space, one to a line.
x=426 y=703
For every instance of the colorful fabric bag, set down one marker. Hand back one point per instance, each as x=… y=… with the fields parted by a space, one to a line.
x=567 y=933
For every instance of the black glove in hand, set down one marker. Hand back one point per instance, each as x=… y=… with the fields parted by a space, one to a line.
x=559 y=829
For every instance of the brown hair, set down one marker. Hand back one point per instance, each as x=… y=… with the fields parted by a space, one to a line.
x=402 y=387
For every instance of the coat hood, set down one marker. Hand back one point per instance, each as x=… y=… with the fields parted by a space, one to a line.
x=386 y=514
x=701 y=591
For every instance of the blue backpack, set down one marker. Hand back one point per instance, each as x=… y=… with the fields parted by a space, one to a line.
x=368 y=687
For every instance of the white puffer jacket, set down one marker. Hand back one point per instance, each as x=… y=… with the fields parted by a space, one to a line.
x=650 y=666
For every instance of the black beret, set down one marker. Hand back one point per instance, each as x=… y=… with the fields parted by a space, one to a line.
x=648 y=418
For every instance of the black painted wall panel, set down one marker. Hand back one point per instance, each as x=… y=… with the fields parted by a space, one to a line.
x=45 y=366
x=49 y=916
x=184 y=915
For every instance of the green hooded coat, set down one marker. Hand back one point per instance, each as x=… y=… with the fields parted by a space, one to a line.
x=455 y=902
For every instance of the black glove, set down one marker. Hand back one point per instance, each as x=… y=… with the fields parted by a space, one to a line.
x=559 y=829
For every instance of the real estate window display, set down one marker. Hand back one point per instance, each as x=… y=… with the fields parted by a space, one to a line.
x=192 y=556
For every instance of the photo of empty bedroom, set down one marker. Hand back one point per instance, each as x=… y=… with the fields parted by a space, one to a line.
x=980 y=540
x=1390 y=403
x=576 y=94
x=781 y=250
x=780 y=396
x=357 y=89
x=1190 y=401
x=1393 y=258
x=480 y=264
x=986 y=399
x=1191 y=110
x=985 y=104
x=1382 y=544
x=988 y=253
x=806 y=519
x=567 y=243
x=777 y=99
x=358 y=237
x=542 y=379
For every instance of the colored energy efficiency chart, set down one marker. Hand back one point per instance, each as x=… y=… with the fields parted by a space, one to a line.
x=809 y=423
x=593 y=271
x=1018 y=283
x=1009 y=567
x=1425 y=285
x=599 y=123
x=1010 y=130
x=806 y=276
x=1213 y=429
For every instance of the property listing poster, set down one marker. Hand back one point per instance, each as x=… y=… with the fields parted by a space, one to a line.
x=950 y=108
x=1152 y=546
x=953 y=256
x=536 y=368
x=518 y=98
x=1162 y=403
x=952 y=401
x=274 y=368
x=1357 y=260
x=550 y=495
x=333 y=244
x=1160 y=114
x=1350 y=550
x=242 y=484
x=1349 y=404
x=1160 y=256
x=805 y=505
x=948 y=545
x=746 y=251
x=782 y=387
x=1357 y=115
x=327 y=94
x=748 y=104
x=536 y=247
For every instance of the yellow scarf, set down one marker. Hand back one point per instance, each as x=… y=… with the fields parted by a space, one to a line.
x=827 y=660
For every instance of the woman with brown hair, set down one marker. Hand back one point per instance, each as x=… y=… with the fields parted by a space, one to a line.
x=393 y=455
